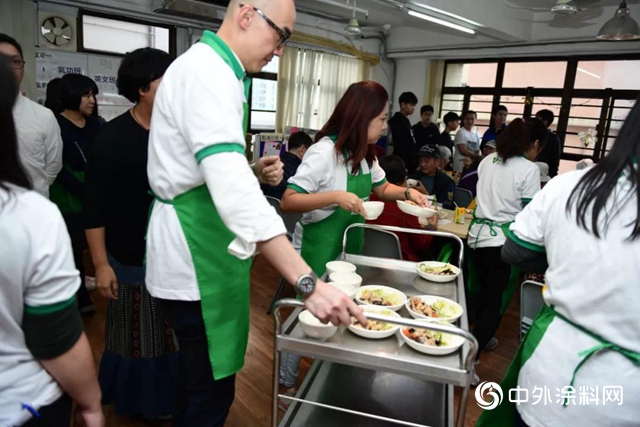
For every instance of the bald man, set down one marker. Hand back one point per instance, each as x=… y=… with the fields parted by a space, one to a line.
x=210 y=217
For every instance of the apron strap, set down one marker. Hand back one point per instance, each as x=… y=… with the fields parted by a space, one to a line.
x=604 y=345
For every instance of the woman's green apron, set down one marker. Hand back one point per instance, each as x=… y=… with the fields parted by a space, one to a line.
x=322 y=241
x=223 y=279
x=505 y=413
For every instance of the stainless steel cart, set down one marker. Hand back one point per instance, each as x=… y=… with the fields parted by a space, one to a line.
x=374 y=383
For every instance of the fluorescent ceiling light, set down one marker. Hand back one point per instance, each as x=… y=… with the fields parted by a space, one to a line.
x=449 y=14
x=589 y=73
x=441 y=22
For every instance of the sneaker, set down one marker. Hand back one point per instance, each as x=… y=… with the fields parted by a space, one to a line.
x=492 y=344
x=283 y=404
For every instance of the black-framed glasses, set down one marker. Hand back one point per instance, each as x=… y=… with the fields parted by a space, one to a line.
x=284 y=34
x=17 y=64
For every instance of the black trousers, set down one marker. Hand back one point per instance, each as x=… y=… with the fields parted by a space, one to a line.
x=200 y=401
x=75 y=227
x=494 y=278
x=57 y=414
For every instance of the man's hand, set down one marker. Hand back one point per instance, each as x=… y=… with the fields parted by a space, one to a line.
x=106 y=282
x=269 y=170
x=329 y=304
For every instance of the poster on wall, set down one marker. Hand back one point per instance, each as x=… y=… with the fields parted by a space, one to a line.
x=102 y=69
x=52 y=64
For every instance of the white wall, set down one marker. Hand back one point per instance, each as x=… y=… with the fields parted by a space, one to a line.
x=18 y=19
x=411 y=77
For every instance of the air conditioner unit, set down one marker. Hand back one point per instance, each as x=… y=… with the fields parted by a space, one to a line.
x=57 y=31
x=211 y=11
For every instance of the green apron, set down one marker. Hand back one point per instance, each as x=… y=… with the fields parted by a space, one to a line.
x=223 y=279
x=505 y=413
x=58 y=194
x=473 y=283
x=322 y=241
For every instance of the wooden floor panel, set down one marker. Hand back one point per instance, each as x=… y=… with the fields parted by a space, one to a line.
x=252 y=406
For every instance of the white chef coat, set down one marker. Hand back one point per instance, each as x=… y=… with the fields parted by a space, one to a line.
x=323 y=170
x=593 y=282
x=199 y=106
x=39 y=143
x=502 y=192
x=469 y=139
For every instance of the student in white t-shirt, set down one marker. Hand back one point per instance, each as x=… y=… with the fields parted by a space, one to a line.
x=583 y=230
x=467 y=141
x=44 y=353
x=508 y=180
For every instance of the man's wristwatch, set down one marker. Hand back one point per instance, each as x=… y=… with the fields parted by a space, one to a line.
x=306 y=284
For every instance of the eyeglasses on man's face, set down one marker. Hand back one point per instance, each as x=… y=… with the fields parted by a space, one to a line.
x=283 y=34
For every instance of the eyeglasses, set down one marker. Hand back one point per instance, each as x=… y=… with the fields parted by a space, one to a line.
x=284 y=34
x=17 y=64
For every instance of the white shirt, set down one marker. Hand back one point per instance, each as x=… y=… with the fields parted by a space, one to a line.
x=471 y=140
x=199 y=104
x=594 y=282
x=323 y=170
x=503 y=190
x=36 y=270
x=39 y=143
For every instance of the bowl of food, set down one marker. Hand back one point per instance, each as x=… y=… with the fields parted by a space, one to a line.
x=411 y=208
x=381 y=296
x=340 y=267
x=348 y=290
x=440 y=272
x=314 y=328
x=352 y=279
x=373 y=210
x=431 y=342
x=375 y=330
x=434 y=308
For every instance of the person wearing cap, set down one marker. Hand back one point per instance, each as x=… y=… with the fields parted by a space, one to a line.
x=431 y=179
x=489 y=148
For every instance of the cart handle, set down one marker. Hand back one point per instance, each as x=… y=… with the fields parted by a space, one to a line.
x=412 y=323
x=404 y=230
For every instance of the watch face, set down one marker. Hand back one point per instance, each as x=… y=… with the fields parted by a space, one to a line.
x=306 y=284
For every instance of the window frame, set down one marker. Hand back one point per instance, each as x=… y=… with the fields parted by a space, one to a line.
x=566 y=94
x=80 y=26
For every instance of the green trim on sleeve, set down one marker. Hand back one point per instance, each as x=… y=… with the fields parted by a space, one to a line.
x=297 y=188
x=227 y=147
x=51 y=308
x=523 y=243
x=525 y=202
x=379 y=183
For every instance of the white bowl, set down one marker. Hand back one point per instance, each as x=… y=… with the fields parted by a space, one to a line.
x=454 y=343
x=430 y=299
x=351 y=279
x=416 y=210
x=348 y=290
x=399 y=296
x=314 y=328
x=376 y=335
x=373 y=210
x=434 y=277
x=340 y=267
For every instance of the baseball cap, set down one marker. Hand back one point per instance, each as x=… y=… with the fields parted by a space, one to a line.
x=429 y=151
x=491 y=144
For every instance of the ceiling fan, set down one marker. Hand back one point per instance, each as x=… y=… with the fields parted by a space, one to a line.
x=560 y=8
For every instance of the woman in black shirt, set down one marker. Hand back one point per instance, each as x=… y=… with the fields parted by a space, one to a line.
x=136 y=369
x=79 y=130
